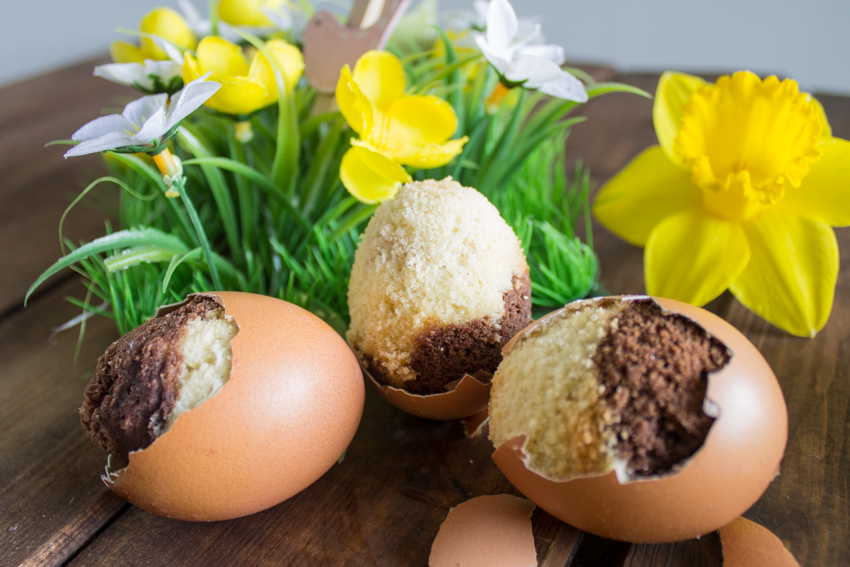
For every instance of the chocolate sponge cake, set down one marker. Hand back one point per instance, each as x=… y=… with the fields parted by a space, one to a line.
x=439 y=285
x=157 y=371
x=607 y=384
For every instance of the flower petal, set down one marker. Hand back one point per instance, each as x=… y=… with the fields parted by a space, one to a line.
x=435 y=155
x=533 y=70
x=369 y=176
x=380 y=76
x=355 y=107
x=123 y=52
x=169 y=25
x=673 y=91
x=565 y=86
x=824 y=194
x=223 y=58
x=502 y=25
x=431 y=117
x=646 y=191
x=793 y=269
x=153 y=127
x=826 y=129
x=498 y=60
x=189 y=99
x=288 y=59
x=554 y=53
x=238 y=96
x=693 y=256
x=127 y=74
x=138 y=111
x=102 y=126
x=108 y=141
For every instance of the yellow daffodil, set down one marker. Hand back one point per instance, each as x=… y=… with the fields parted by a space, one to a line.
x=741 y=194
x=245 y=86
x=394 y=129
x=248 y=12
x=161 y=22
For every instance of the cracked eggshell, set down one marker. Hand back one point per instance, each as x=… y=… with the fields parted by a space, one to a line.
x=288 y=412
x=747 y=544
x=727 y=475
x=486 y=531
x=464 y=397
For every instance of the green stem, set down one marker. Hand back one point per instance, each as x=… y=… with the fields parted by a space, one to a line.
x=180 y=186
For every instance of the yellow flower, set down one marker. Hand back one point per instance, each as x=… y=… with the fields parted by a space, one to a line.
x=161 y=22
x=397 y=129
x=245 y=87
x=740 y=194
x=248 y=12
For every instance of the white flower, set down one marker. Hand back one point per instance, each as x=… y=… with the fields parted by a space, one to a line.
x=476 y=19
x=520 y=62
x=150 y=76
x=145 y=124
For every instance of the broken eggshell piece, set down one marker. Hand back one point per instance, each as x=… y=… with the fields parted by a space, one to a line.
x=486 y=531
x=284 y=417
x=723 y=478
x=747 y=544
x=462 y=398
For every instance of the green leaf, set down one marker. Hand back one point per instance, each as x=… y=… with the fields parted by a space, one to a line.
x=285 y=165
x=218 y=186
x=122 y=239
x=137 y=255
x=605 y=88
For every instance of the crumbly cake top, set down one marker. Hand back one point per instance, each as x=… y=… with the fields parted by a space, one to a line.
x=438 y=253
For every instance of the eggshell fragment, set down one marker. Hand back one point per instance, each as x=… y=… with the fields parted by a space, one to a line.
x=487 y=531
x=463 y=398
x=747 y=544
x=473 y=426
x=289 y=410
x=729 y=473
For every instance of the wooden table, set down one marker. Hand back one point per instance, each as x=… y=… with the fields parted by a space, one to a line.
x=401 y=475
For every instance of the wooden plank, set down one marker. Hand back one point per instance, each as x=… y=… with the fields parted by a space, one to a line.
x=51 y=497
x=37 y=183
x=382 y=505
x=808 y=505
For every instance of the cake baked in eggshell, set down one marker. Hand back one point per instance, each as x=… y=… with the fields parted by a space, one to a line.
x=439 y=285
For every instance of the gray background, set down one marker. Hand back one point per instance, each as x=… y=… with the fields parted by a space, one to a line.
x=803 y=40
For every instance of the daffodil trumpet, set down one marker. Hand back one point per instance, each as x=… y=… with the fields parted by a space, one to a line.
x=741 y=194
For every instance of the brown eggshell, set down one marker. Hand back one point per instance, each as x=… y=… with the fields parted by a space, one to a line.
x=729 y=473
x=486 y=531
x=288 y=412
x=464 y=397
x=747 y=544
x=473 y=426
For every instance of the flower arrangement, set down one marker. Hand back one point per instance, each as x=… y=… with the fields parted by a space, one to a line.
x=237 y=172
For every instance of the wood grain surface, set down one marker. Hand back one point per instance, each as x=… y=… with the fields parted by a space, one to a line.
x=384 y=503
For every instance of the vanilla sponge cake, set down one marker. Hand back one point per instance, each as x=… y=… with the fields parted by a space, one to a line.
x=439 y=285
x=607 y=384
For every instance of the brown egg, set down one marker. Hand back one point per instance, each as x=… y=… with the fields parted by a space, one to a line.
x=728 y=471
x=289 y=410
